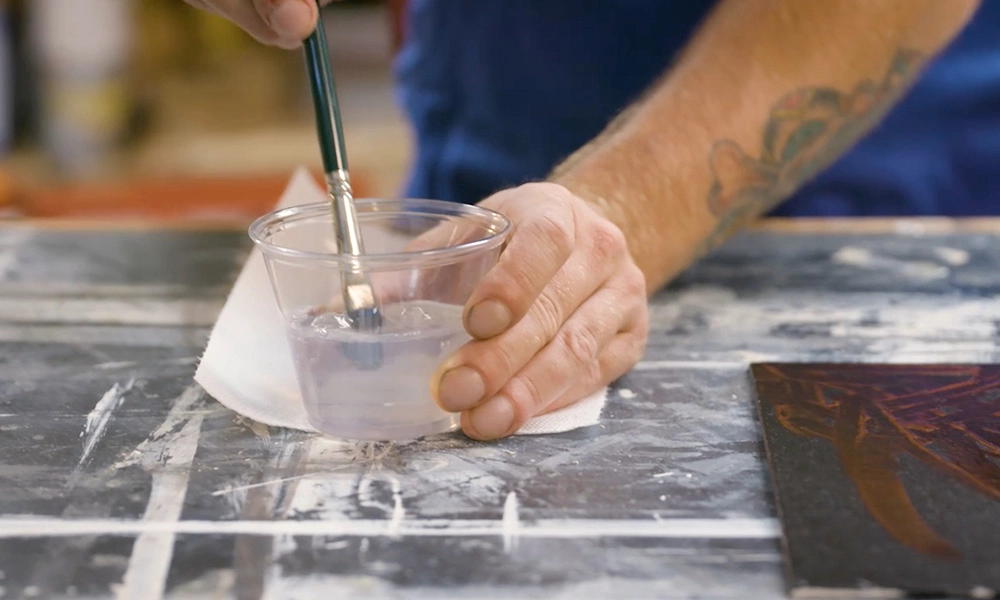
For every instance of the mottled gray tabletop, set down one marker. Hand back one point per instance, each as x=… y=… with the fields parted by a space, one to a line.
x=119 y=478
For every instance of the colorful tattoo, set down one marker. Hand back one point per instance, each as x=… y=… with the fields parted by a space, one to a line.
x=805 y=132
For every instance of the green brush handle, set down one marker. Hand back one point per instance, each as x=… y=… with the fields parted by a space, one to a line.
x=324 y=94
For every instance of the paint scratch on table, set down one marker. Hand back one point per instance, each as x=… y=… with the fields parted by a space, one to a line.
x=510 y=523
x=115 y=365
x=173 y=450
x=398 y=511
x=243 y=488
x=100 y=416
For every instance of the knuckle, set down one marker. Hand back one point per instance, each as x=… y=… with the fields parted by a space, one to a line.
x=607 y=241
x=636 y=332
x=553 y=230
x=633 y=282
x=642 y=333
x=495 y=362
x=509 y=280
x=636 y=348
x=526 y=396
x=618 y=364
x=527 y=196
x=550 y=190
x=548 y=316
x=595 y=374
x=617 y=368
x=580 y=343
x=502 y=200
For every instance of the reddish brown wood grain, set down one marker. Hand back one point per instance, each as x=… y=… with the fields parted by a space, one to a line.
x=946 y=416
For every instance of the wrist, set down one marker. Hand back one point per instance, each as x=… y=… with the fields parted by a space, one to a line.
x=663 y=224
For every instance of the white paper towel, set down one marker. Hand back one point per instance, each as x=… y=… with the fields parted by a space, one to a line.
x=247 y=365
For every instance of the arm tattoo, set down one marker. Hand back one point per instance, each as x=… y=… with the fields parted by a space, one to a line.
x=806 y=131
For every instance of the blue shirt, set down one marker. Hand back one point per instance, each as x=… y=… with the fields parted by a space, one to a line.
x=500 y=91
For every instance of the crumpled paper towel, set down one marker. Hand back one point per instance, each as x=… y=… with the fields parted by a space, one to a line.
x=247 y=365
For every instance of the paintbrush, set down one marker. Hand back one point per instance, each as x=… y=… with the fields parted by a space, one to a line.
x=360 y=303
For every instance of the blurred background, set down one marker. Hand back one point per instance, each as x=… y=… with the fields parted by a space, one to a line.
x=151 y=109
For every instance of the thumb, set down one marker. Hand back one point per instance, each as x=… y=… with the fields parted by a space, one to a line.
x=290 y=20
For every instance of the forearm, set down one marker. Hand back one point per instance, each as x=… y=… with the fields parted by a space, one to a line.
x=767 y=94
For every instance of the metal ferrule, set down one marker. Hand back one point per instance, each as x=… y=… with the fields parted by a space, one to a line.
x=347 y=230
x=358 y=294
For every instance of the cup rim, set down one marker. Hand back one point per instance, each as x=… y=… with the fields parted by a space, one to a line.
x=262 y=226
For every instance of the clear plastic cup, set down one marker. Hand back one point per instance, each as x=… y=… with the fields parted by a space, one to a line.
x=423 y=258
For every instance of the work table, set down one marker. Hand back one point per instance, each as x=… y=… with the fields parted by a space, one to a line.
x=120 y=478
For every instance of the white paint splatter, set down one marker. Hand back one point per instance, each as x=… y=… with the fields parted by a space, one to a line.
x=748 y=356
x=865 y=259
x=510 y=523
x=955 y=257
x=115 y=365
x=100 y=416
x=664 y=474
x=970 y=319
x=905 y=327
x=124 y=364
x=981 y=592
x=168 y=452
x=853 y=256
x=14 y=239
x=907 y=351
x=398 y=512
x=284 y=545
x=626 y=393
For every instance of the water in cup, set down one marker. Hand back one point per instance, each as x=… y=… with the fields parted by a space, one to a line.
x=391 y=402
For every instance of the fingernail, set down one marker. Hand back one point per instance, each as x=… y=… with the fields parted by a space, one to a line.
x=290 y=19
x=487 y=319
x=460 y=389
x=493 y=419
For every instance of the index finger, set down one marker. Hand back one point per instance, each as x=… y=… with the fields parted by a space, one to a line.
x=542 y=242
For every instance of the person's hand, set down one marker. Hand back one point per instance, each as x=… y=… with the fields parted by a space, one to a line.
x=563 y=313
x=282 y=23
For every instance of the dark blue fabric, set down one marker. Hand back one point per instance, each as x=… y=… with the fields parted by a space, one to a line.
x=499 y=91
